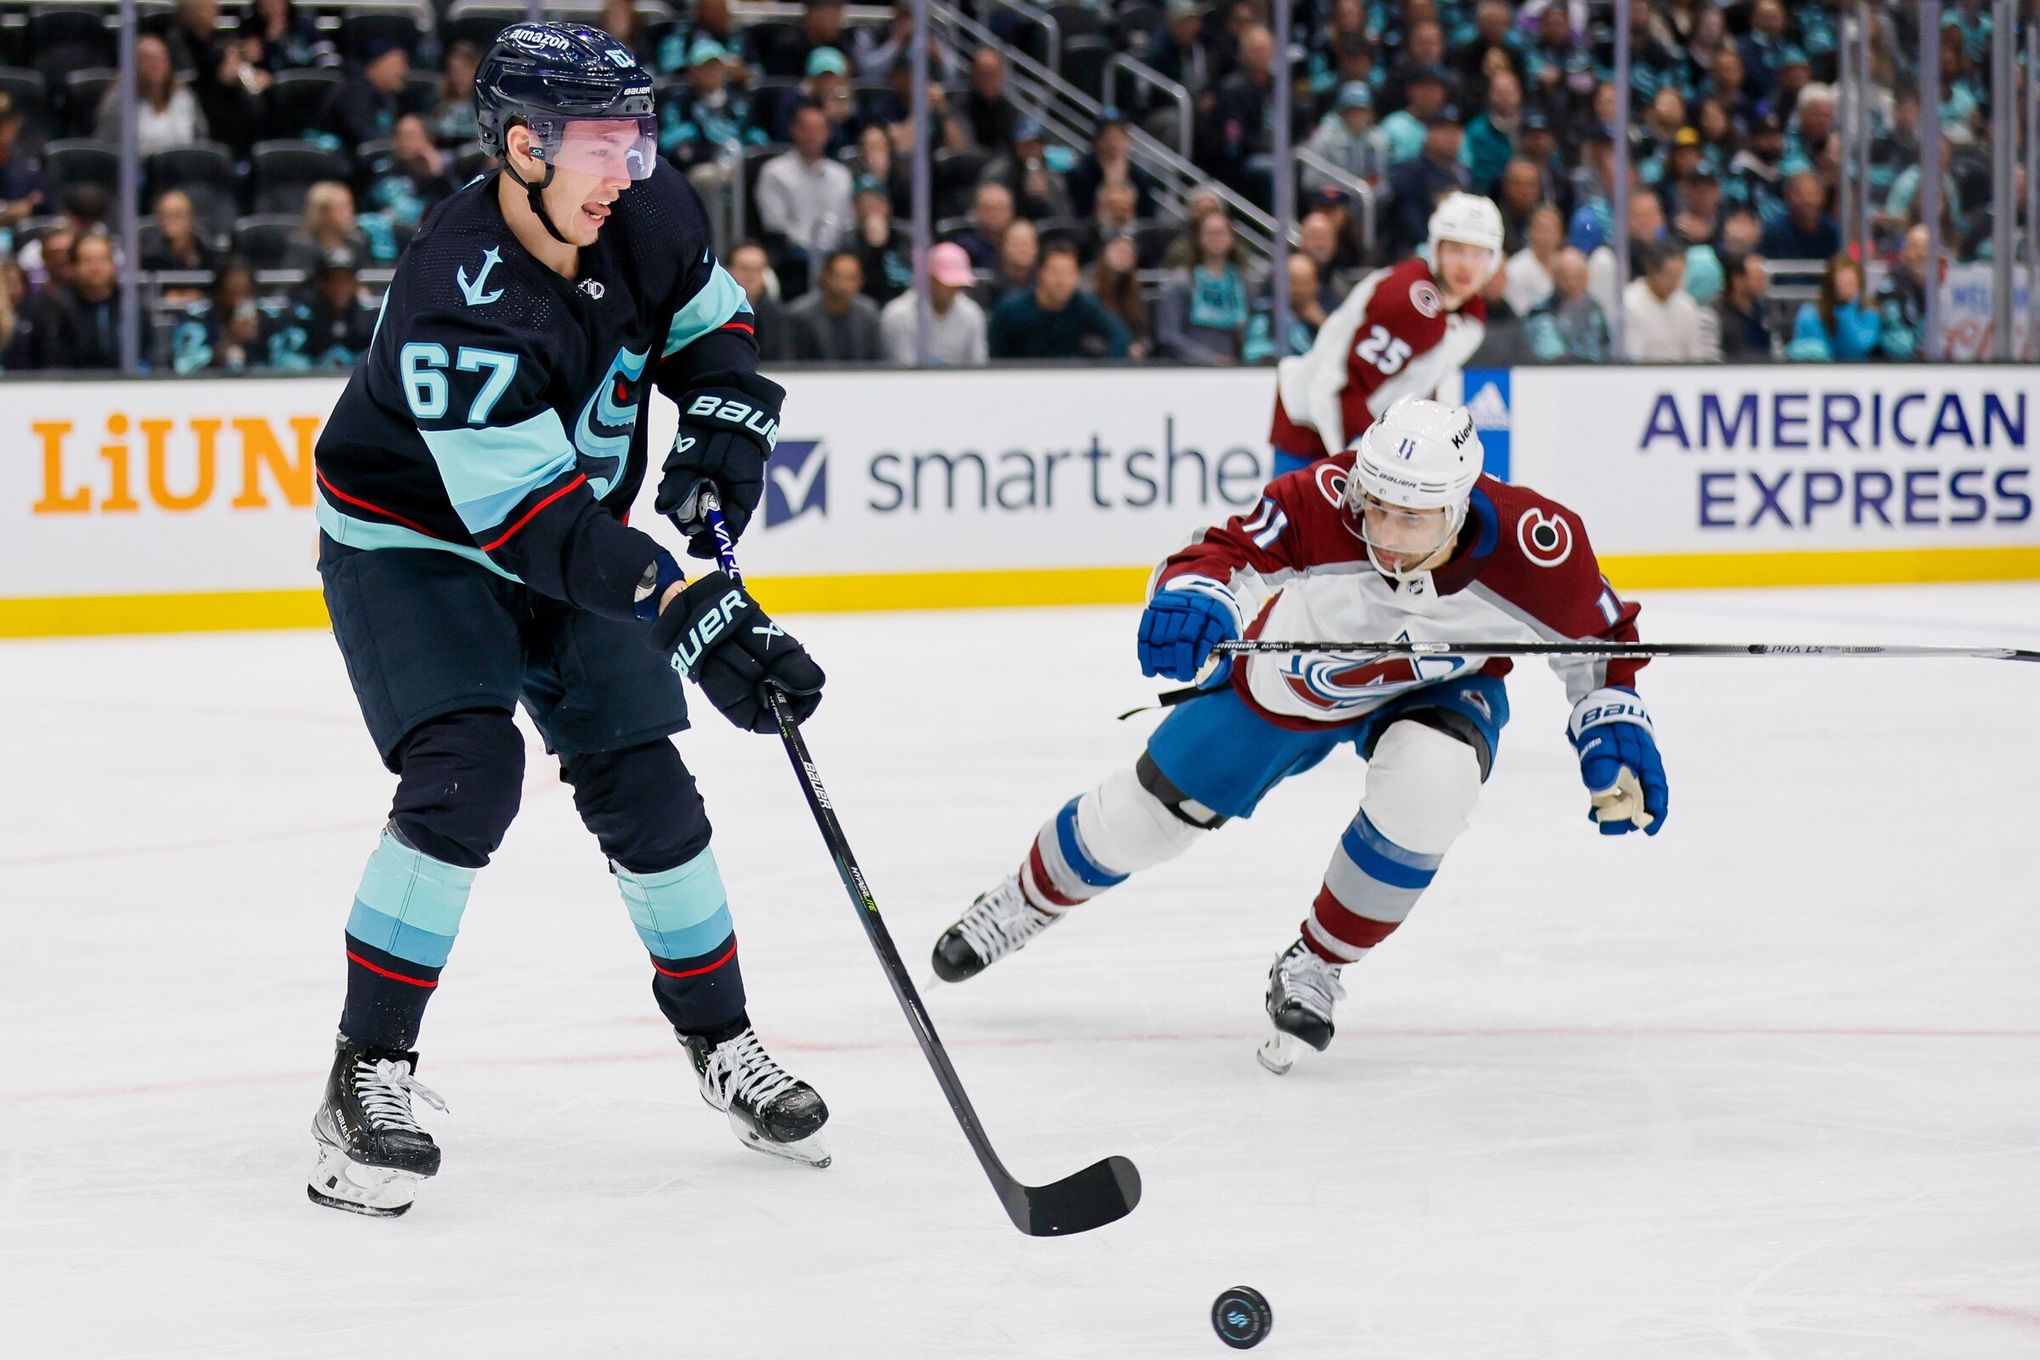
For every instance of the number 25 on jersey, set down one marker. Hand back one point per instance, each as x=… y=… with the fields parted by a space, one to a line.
x=1384 y=351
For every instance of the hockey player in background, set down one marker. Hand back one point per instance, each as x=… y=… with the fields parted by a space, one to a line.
x=1399 y=538
x=1401 y=332
x=472 y=485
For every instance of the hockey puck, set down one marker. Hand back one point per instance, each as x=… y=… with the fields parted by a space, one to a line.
x=1241 y=1317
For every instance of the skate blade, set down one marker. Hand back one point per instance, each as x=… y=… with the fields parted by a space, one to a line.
x=1280 y=1052
x=808 y=1151
x=339 y=1182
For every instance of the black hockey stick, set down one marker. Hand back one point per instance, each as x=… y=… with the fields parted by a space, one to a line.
x=1626 y=650
x=1609 y=650
x=1099 y=1194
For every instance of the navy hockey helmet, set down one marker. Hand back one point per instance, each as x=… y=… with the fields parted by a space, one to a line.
x=548 y=75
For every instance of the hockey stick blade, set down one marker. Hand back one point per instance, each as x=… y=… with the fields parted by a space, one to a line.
x=1103 y=1192
x=1099 y=1194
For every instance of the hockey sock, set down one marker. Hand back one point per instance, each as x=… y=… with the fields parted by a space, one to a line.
x=1097 y=840
x=683 y=917
x=399 y=933
x=1369 y=890
x=1421 y=784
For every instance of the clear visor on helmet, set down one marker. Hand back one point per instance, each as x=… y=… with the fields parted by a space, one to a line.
x=1400 y=540
x=609 y=148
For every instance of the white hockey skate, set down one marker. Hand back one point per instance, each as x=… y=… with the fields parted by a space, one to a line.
x=999 y=922
x=372 y=1152
x=1301 y=990
x=769 y=1109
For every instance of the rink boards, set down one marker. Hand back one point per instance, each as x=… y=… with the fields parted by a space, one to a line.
x=187 y=504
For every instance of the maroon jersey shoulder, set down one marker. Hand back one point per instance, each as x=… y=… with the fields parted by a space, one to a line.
x=1408 y=303
x=1544 y=565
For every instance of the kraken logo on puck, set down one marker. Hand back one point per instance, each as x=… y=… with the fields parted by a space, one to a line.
x=1241 y=1317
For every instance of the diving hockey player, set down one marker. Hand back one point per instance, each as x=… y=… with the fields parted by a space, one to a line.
x=472 y=487
x=1400 y=538
x=1401 y=332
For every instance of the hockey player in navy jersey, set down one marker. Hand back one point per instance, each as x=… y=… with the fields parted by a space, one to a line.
x=472 y=487
x=1399 y=538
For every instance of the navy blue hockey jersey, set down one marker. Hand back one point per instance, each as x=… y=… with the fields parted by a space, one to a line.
x=500 y=410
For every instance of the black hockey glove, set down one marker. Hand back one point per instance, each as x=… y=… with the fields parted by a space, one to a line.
x=722 y=641
x=729 y=423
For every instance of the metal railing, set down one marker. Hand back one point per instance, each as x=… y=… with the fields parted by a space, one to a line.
x=1144 y=74
x=1041 y=19
x=1071 y=116
x=1351 y=183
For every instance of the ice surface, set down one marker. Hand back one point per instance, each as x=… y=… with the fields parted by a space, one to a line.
x=1765 y=1085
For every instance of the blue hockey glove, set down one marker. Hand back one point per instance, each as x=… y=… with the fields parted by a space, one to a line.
x=1181 y=626
x=729 y=425
x=1619 y=762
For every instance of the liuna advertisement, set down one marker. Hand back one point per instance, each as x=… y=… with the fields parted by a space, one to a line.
x=163 y=505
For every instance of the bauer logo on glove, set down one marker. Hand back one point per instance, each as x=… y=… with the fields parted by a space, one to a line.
x=1619 y=763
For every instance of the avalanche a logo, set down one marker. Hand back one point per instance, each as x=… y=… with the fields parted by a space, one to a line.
x=796 y=481
x=1333 y=682
x=1544 y=539
x=603 y=432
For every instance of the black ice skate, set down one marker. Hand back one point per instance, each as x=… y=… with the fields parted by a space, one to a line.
x=770 y=1110
x=372 y=1153
x=1301 y=990
x=998 y=923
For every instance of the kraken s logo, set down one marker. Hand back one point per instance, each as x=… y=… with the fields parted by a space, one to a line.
x=608 y=419
x=472 y=289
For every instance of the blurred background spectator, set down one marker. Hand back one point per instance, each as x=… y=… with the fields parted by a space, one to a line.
x=1839 y=326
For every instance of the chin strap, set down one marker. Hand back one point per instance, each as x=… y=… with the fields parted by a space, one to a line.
x=535 y=192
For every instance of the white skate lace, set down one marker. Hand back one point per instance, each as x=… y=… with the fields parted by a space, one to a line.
x=1309 y=981
x=1000 y=922
x=385 y=1087
x=741 y=1069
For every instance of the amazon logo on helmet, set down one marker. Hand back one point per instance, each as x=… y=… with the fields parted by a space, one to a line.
x=543 y=74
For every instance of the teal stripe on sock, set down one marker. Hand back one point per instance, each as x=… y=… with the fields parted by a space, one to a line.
x=679 y=913
x=409 y=903
x=392 y=936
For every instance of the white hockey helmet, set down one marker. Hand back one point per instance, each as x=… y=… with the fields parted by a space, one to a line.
x=1420 y=457
x=1471 y=219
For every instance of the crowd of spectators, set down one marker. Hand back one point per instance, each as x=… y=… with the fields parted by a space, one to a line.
x=292 y=150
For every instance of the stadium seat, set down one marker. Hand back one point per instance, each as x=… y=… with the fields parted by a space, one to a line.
x=1075 y=21
x=397 y=24
x=204 y=170
x=282 y=170
x=30 y=93
x=954 y=173
x=1137 y=26
x=754 y=161
x=298 y=99
x=83 y=91
x=1083 y=63
x=1151 y=240
x=80 y=160
x=263 y=238
x=477 y=23
x=64 y=38
x=421 y=92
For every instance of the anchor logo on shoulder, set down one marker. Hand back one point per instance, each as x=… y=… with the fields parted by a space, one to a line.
x=472 y=290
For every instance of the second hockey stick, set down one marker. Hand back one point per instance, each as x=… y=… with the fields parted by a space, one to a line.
x=1613 y=651
x=1101 y=1193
